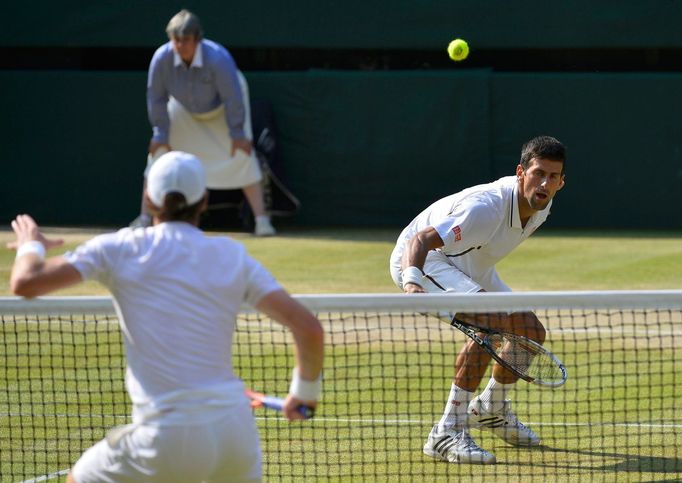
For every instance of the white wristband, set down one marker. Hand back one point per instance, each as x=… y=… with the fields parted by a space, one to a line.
x=412 y=275
x=33 y=246
x=305 y=390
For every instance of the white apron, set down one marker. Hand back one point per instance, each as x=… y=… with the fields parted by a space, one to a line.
x=207 y=136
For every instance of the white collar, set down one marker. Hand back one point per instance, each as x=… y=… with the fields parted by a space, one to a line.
x=197 y=61
x=515 y=216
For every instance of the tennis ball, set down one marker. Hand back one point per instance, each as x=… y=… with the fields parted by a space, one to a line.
x=458 y=50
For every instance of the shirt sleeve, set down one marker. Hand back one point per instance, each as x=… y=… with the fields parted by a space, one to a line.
x=469 y=225
x=157 y=99
x=92 y=259
x=259 y=282
x=231 y=95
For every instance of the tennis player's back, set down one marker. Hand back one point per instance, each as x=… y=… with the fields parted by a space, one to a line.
x=178 y=292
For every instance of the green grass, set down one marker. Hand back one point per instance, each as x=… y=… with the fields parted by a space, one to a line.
x=61 y=384
x=356 y=261
x=584 y=261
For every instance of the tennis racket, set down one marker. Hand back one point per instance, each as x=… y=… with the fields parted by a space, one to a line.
x=259 y=400
x=522 y=356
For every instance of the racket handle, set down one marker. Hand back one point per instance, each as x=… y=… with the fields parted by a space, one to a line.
x=272 y=402
x=306 y=411
x=277 y=403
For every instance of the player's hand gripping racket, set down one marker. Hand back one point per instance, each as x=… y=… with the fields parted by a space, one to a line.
x=522 y=356
x=277 y=403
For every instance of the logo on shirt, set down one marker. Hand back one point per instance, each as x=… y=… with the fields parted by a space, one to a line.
x=458 y=233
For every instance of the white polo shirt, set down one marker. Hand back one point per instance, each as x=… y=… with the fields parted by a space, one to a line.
x=479 y=226
x=177 y=293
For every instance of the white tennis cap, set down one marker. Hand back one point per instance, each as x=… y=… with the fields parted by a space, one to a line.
x=177 y=172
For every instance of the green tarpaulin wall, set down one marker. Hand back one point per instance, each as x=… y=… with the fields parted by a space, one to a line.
x=361 y=148
x=353 y=23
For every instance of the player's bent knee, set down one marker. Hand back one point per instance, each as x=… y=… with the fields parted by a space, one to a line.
x=537 y=331
x=528 y=325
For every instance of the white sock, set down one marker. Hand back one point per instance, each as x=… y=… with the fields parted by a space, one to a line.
x=262 y=219
x=494 y=395
x=455 y=414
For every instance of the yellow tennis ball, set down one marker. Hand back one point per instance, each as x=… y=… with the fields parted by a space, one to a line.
x=458 y=50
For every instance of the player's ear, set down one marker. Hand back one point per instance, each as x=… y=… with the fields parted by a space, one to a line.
x=204 y=203
x=519 y=171
x=148 y=203
x=562 y=182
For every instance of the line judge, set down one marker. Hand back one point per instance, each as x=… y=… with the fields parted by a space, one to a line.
x=198 y=102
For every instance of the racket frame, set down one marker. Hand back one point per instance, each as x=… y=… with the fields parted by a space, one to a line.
x=472 y=331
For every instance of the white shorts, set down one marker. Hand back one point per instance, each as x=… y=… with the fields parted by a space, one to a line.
x=441 y=275
x=224 y=449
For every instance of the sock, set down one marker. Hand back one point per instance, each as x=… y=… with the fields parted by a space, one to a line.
x=493 y=396
x=262 y=219
x=455 y=414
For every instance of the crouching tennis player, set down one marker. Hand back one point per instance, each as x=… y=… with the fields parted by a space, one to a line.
x=177 y=293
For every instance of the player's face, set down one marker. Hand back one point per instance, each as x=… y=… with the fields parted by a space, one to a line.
x=540 y=181
x=185 y=47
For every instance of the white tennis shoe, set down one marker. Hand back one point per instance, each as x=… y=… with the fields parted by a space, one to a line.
x=502 y=423
x=264 y=227
x=456 y=446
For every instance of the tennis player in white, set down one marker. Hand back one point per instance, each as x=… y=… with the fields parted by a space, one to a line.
x=453 y=246
x=177 y=293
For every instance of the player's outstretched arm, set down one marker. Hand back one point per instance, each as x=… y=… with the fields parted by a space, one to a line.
x=309 y=348
x=415 y=255
x=32 y=275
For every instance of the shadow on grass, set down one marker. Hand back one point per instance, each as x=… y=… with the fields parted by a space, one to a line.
x=630 y=463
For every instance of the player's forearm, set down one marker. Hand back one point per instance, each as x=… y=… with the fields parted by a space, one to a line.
x=32 y=276
x=415 y=252
x=24 y=273
x=309 y=341
x=304 y=326
x=419 y=246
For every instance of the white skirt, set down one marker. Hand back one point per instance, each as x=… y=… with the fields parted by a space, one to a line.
x=207 y=136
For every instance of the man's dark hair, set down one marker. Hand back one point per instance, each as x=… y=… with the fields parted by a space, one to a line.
x=175 y=208
x=545 y=147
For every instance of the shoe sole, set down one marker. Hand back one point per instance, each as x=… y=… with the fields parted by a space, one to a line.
x=477 y=424
x=511 y=440
x=438 y=456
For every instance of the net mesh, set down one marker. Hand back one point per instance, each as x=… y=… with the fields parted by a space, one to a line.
x=527 y=358
x=387 y=376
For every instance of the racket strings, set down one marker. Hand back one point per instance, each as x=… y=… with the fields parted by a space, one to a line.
x=529 y=359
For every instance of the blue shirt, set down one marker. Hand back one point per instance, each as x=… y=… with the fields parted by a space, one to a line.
x=211 y=80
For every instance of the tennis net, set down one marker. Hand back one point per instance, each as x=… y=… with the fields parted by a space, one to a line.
x=388 y=370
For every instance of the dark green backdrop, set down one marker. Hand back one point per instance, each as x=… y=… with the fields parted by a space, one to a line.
x=367 y=148
x=352 y=23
